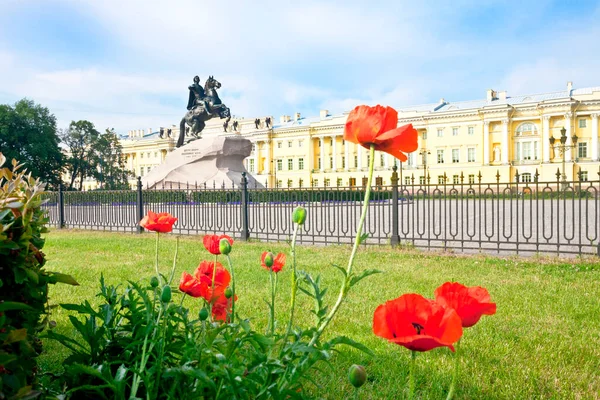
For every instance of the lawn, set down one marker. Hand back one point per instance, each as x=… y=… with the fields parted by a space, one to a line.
x=544 y=341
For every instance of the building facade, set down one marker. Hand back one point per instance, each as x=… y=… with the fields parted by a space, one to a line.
x=500 y=135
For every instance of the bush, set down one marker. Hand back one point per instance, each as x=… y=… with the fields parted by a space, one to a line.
x=23 y=282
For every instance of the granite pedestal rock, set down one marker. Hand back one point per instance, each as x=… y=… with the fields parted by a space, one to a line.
x=213 y=161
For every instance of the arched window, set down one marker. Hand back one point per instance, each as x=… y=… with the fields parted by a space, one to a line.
x=527 y=128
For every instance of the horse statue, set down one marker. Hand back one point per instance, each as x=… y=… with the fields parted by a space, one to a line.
x=198 y=113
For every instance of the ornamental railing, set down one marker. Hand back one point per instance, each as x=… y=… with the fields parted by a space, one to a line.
x=560 y=217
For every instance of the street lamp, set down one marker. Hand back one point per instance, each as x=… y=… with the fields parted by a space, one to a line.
x=562 y=146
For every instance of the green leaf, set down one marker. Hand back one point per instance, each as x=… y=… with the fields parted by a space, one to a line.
x=14 y=204
x=32 y=275
x=362 y=238
x=342 y=270
x=63 y=278
x=13 y=305
x=17 y=335
x=368 y=272
x=349 y=342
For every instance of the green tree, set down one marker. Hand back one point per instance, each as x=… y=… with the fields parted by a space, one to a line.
x=109 y=163
x=28 y=133
x=80 y=139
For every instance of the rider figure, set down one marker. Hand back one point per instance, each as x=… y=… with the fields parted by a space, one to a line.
x=197 y=96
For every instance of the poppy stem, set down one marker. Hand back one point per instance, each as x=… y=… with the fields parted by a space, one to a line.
x=411 y=377
x=232 y=288
x=174 y=260
x=212 y=288
x=455 y=372
x=357 y=240
x=156 y=260
x=294 y=286
x=272 y=319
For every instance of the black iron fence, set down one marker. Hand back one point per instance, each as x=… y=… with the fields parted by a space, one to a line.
x=507 y=218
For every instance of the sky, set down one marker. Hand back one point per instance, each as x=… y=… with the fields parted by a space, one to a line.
x=126 y=64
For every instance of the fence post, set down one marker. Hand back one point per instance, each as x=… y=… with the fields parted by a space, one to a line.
x=139 y=206
x=395 y=239
x=61 y=207
x=245 y=231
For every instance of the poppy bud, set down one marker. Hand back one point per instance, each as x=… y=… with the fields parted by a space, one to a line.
x=154 y=282
x=224 y=246
x=299 y=215
x=269 y=259
x=357 y=375
x=203 y=314
x=228 y=292
x=165 y=296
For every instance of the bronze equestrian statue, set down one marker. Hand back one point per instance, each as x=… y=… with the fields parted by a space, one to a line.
x=203 y=104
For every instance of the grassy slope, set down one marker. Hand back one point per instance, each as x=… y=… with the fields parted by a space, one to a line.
x=544 y=342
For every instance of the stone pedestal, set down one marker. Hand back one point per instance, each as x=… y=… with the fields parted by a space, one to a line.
x=214 y=161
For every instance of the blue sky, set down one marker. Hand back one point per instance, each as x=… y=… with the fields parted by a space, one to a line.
x=127 y=63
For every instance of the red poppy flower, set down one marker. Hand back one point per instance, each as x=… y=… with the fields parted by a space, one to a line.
x=469 y=302
x=161 y=222
x=278 y=262
x=190 y=285
x=379 y=126
x=221 y=308
x=417 y=323
x=211 y=242
x=204 y=274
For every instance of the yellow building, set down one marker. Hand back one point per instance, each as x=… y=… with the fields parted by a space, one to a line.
x=499 y=134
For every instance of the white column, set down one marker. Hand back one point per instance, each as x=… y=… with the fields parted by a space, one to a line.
x=322 y=152
x=359 y=154
x=256 y=170
x=486 y=142
x=546 y=138
x=505 y=141
x=310 y=164
x=594 y=137
x=334 y=166
x=267 y=166
x=347 y=155
x=568 y=154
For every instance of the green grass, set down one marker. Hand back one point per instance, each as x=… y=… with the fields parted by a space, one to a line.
x=543 y=343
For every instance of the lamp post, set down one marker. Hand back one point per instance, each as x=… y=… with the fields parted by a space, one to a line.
x=274 y=164
x=424 y=153
x=561 y=145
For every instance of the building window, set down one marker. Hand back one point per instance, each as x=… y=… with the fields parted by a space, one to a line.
x=141 y=155
x=425 y=135
x=582 y=150
x=319 y=142
x=583 y=176
x=455 y=179
x=454 y=131
x=343 y=142
x=290 y=182
x=300 y=182
x=155 y=154
x=352 y=182
x=343 y=162
x=407 y=180
x=440 y=156
x=471 y=154
x=526 y=177
x=279 y=145
x=279 y=165
x=253 y=147
x=300 y=143
x=327 y=182
x=410 y=161
x=455 y=155
x=368 y=159
x=527 y=151
x=279 y=183
x=422 y=180
x=319 y=163
x=378 y=181
x=315 y=183
x=301 y=163
x=471 y=130
x=331 y=141
x=582 y=123
x=251 y=165
x=149 y=169
x=339 y=182
x=471 y=179
x=290 y=144
x=527 y=128
x=440 y=132
x=290 y=164
x=330 y=162
x=441 y=180
x=355 y=161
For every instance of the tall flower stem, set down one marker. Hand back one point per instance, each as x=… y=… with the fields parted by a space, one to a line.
x=294 y=284
x=232 y=288
x=345 y=284
x=272 y=319
x=174 y=260
x=212 y=287
x=455 y=372
x=411 y=377
x=156 y=259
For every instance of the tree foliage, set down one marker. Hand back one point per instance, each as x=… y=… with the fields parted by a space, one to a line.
x=28 y=134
